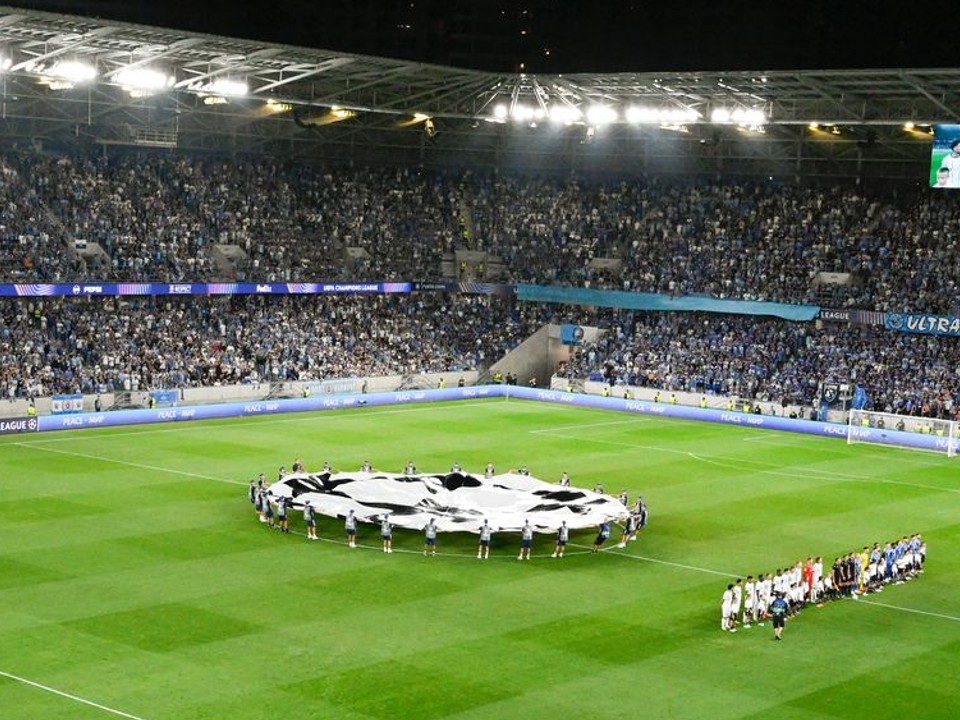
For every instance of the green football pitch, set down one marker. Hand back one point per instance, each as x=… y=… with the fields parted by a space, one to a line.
x=135 y=580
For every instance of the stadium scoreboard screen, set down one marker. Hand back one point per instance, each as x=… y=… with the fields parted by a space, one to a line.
x=945 y=157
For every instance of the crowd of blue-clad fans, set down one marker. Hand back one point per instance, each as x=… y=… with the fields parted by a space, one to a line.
x=161 y=217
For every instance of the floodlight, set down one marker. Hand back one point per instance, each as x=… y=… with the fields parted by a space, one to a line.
x=226 y=86
x=500 y=111
x=522 y=113
x=601 y=115
x=748 y=116
x=565 y=114
x=640 y=115
x=720 y=115
x=72 y=71
x=908 y=125
x=741 y=116
x=275 y=106
x=142 y=78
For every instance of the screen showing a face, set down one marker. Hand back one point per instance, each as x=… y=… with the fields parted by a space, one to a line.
x=945 y=157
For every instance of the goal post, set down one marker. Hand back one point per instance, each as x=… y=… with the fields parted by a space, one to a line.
x=906 y=431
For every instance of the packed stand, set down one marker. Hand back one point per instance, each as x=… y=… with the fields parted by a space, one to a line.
x=99 y=345
x=773 y=360
x=159 y=216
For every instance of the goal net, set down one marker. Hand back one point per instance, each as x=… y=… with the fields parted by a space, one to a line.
x=906 y=431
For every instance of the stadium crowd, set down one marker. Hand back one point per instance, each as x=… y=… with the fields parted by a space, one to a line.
x=100 y=345
x=774 y=361
x=160 y=217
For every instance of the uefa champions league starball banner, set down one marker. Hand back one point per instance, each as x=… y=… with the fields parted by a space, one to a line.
x=95 y=289
x=457 y=502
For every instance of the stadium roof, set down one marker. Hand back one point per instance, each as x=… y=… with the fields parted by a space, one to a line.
x=163 y=75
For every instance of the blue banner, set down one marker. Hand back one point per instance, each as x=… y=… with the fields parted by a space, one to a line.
x=923 y=324
x=664 y=303
x=47 y=423
x=165 y=397
x=61 y=404
x=90 y=289
x=860 y=398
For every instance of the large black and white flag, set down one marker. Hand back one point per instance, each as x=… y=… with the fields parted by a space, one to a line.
x=456 y=501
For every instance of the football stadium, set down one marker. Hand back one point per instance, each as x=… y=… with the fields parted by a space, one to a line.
x=649 y=382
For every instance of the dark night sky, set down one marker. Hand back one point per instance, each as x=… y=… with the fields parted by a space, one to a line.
x=576 y=35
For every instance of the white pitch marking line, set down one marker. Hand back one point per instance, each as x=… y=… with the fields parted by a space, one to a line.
x=184 y=425
x=100 y=458
x=814 y=473
x=631 y=421
x=644 y=558
x=912 y=610
x=612 y=551
x=67 y=695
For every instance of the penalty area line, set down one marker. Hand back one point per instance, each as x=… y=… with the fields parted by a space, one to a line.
x=69 y=696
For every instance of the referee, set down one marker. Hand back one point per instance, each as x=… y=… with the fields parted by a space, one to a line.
x=778 y=609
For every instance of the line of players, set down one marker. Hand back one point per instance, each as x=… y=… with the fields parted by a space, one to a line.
x=805 y=583
x=277 y=515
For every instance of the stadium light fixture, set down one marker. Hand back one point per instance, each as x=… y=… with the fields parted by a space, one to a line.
x=720 y=115
x=740 y=116
x=275 y=106
x=142 y=81
x=230 y=88
x=73 y=71
x=5 y=64
x=566 y=114
x=500 y=112
x=339 y=113
x=661 y=116
x=522 y=113
x=908 y=126
x=601 y=115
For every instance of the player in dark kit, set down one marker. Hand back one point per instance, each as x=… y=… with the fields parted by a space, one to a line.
x=603 y=534
x=282 y=515
x=778 y=609
x=310 y=520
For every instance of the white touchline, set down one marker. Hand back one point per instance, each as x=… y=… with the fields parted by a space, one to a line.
x=257 y=420
x=67 y=695
x=101 y=458
x=612 y=551
x=912 y=610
